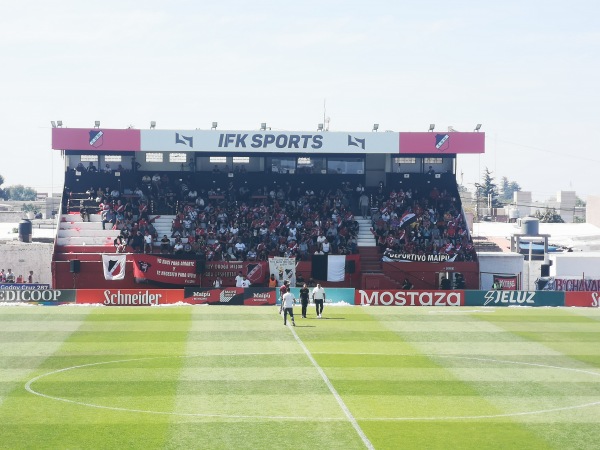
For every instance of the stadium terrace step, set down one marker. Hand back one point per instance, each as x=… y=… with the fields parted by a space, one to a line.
x=365 y=238
x=76 y=218
x=86 y=240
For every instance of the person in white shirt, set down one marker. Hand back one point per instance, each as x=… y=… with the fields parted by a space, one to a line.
x=245 y=282
x=287 y=302
x=218 y=282
x=318 y=296
x=239 y=279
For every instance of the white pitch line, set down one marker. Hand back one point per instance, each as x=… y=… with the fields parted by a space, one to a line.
x=333 y=391
x=29 y=389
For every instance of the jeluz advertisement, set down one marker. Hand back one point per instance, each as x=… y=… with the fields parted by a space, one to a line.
x=408 y=298
x=514 y=298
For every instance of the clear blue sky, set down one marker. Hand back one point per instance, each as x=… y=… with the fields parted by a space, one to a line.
x=527 y=70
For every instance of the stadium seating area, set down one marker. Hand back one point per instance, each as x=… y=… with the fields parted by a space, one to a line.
x=229 y=217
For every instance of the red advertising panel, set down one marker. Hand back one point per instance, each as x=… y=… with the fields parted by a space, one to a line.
x=165 y=270
x=95 y=139
x=508 y=282
x=130 y=297
x=231 y=296
x=226 y=296
x=260 y=296
x=408 y=298
x=584 y=299
x=450 y=142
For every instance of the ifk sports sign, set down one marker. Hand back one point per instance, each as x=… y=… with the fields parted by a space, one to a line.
x=408 y=298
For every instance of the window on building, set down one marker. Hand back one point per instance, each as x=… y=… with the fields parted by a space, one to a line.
x=177 y=157
x=346 y=166
x=154 y=157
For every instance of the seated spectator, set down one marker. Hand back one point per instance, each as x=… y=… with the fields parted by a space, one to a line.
x=108 y=216
x=178 y=247
x=20 y=279
x=120 y=244
x=107 y=168
x=85 y=216
x=165 y=245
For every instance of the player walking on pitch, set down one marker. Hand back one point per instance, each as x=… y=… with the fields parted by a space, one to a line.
x=288 y=307
x=318 y=295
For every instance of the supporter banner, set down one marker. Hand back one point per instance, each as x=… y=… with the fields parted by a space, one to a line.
x=514 y=298
x=256 y=272
x=268 y=141
x=130 y=297
x=230 y=296
x=508 y=283
x=328 y=267
x=284 y=269
x=95 y=139
x=165 y=270
x=389 y=256
x=38 y=296
x=113 y=266
x=572 y=284
x=584 y=299
x=332 y=295
x=408 y=298
x=449 y=143
x=23 y=287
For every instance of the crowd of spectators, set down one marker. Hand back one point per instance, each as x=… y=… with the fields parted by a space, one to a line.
x=10 y=277
x=229 y=223
x=423 y=223
x=240 y=224
x=232 y=221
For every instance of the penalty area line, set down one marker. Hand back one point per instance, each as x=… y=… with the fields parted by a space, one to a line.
x=333 y=391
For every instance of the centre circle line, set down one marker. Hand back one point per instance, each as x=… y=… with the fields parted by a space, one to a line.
x=31 y=390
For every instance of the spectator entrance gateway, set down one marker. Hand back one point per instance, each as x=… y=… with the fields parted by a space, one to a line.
x=247 y=169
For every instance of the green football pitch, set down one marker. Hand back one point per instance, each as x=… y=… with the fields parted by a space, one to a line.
x=361 y=377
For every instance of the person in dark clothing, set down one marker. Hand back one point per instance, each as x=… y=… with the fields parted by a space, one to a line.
x=304 y=293
x=407 y=285
x=445 y=284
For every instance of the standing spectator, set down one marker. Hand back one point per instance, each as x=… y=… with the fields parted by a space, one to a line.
x=363 y=203
x=287 y=303
x=318 y=295
x=272 y=281
x=10 y=277
x=2 y=276
x=137 y=242
x=245 y=282
x=239 y=279
x=30 y=277
x=304 y=293
x=20 y=279
x=218 y=282
x=147 y=242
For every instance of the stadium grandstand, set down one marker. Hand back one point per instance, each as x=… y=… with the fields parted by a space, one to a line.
x=222 y=202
